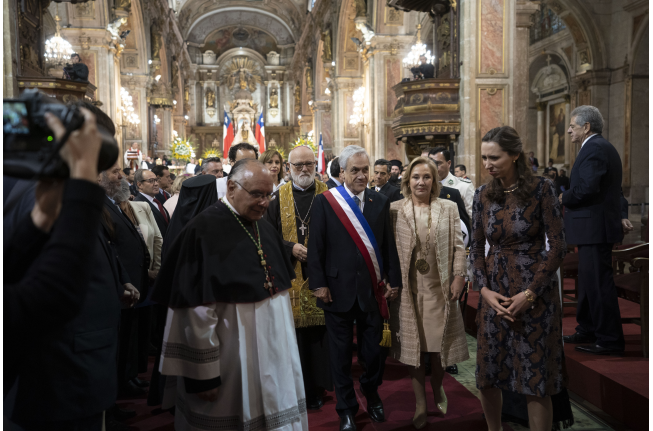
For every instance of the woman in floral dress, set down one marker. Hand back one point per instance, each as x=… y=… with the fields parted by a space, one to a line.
x=519 y=315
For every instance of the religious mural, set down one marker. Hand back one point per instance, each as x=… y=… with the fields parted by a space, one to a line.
x=227 y=38
x=557 y=127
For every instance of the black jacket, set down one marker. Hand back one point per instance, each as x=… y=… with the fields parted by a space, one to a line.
x=335 y=261
x=62 y=316
x=160 y=220
x=391 y=192
x=593 y=202
x=331 y=184
x=453 y=195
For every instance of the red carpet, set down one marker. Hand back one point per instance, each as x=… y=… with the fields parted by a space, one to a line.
x=464 y=414
x=617 y=385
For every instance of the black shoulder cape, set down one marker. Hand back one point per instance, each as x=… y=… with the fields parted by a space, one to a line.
x=214 y=260
x=196 y=195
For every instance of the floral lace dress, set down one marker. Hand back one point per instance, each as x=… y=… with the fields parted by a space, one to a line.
x=526 y=356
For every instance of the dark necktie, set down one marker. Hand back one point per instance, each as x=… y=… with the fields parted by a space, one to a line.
x=163 y=212
x=358 y=201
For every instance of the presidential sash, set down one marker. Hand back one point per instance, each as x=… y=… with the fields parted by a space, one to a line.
x=359 y=229
x=304 y=309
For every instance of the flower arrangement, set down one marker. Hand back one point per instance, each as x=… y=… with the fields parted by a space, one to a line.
x=281 y=151
x=182 y=149
x=305 y=140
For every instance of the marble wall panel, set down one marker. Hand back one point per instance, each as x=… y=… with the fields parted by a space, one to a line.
x=392 y=77
x=491 y=114
x=491 y=46
x=350 y=131
x=392 y=150
x=90 y=60
x=327 y=140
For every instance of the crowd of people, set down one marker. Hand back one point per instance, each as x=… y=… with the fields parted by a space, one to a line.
x=248 y=287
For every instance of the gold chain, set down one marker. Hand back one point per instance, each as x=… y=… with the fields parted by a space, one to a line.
x=428 y=235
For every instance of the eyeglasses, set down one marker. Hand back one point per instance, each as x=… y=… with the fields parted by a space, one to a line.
x=151 y=180
x=300 y=166
x=258 y=195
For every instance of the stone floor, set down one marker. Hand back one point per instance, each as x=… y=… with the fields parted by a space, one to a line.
x=584 y=419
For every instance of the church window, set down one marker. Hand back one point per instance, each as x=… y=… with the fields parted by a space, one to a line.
x=546 y=23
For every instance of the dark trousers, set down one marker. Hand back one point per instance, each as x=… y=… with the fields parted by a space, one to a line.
x=340 y=327
x=313 y=347
x=598 y=308
x=90 y=423
x=128 y=346
x=144 y=317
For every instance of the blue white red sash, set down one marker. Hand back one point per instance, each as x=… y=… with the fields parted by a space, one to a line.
x=359 y=230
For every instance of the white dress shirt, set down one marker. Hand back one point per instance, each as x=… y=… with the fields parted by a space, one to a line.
x=221 y=185
x=361 y=196
x=149 y=198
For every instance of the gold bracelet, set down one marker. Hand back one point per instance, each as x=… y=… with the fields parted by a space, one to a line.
x=529 y=296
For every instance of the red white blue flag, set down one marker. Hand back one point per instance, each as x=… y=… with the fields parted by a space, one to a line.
x=259 y=134
x=321 y=162
x=227 y=134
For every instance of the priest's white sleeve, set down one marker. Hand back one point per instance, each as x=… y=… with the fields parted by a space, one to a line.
x=191 y=347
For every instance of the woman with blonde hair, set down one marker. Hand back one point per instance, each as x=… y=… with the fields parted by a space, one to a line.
x=426 y=317
x=171 y=203
x=274 y=162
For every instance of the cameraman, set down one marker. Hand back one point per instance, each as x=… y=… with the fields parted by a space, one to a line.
x=77 y=71
x=61 y=297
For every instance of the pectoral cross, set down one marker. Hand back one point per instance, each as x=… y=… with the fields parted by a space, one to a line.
x=294 y=296
x=303 y=229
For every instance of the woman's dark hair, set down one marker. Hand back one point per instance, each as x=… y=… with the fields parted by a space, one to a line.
x=510 y=142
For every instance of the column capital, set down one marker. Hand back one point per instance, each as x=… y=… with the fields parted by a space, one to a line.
x=525 y=10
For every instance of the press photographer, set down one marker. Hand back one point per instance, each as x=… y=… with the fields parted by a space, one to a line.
x=77 y=71
x=63 y=281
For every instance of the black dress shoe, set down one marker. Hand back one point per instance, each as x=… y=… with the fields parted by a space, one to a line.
x=113 y=425
x=130 y=389
x=140 y=383
x=595 y=349
x=315 y=404
x=119 y=414
x=578 y=338
x=347 y=423
x=452 y=369
x=374 y=406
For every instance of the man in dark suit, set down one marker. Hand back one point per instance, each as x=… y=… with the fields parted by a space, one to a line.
x=382 y=185
x=451 y=194
x=128 y=173
x=134 y=259
x=343 y=285
x=165 y=182
x=593 y=222
x=533 y=161
x=334 y=170
x=148 y=184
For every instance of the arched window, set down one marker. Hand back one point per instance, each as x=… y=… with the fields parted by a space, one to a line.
x=547 y=23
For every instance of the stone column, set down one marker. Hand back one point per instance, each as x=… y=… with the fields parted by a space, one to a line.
x=524 y=10
x=567 y=137
x=541 y=106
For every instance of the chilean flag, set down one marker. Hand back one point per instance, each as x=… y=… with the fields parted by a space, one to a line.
x=227 y=133
x=259 y=134
x=321 y=162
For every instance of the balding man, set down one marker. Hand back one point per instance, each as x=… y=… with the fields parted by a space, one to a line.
x=290 y=214
x=226 y=281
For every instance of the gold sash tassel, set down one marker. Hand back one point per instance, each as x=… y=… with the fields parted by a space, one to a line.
x=304 y=308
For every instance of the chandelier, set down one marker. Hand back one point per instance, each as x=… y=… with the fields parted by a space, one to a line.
x=127 y=108
x=416 y=51
x=357 y=117
x=57 y=49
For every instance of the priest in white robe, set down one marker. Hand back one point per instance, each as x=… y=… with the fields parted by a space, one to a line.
x=229 y=341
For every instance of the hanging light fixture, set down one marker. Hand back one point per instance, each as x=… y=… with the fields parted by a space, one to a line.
x=359 y=97
x=57 y=49
x=127 y=108
x=416 y=51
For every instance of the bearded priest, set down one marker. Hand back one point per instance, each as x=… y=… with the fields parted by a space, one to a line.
x=229 y=337
x=290 y=214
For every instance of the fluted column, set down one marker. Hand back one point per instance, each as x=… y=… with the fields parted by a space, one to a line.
x=524 y=10
x=567 y=137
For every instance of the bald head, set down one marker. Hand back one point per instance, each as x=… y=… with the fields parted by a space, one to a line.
x=249 y=187
x=302 y=153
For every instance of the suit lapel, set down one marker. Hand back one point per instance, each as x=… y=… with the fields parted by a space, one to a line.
x=123 y=218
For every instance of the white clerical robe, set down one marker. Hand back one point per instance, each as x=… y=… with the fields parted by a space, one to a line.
x=252 y=347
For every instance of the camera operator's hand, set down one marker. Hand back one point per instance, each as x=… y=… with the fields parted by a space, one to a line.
x=47 y=205
x=82 y=149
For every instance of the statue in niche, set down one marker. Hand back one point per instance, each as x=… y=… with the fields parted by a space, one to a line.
x=361 y=8
x=210 y=98
x=274 y=98
x=327 y=54
x=251 y=82
x=155 y=35
x=309 y=76
x=186 y=94
x=242 y=80
x=298 y=98
x=242 y=71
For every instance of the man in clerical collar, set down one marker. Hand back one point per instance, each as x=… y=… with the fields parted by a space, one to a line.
x=382 y=184
x=442 y=158
x=226 y=280
x=290 y=214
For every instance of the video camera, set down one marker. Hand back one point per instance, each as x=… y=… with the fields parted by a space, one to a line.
x=30 y=149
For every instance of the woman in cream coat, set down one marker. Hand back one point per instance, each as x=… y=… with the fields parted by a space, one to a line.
x=426 y=317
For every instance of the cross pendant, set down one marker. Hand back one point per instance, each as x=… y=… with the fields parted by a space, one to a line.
x=303 y=229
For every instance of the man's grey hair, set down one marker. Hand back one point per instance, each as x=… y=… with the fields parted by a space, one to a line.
x=138 y=176
x=588 y=114
x=348 y=152
x=205 y=163
x=240 y=169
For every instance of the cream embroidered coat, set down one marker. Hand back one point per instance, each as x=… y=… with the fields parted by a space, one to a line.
x=450 y=253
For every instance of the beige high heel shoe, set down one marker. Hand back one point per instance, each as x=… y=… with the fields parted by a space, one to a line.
x=442 y=405
x=419 y=420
